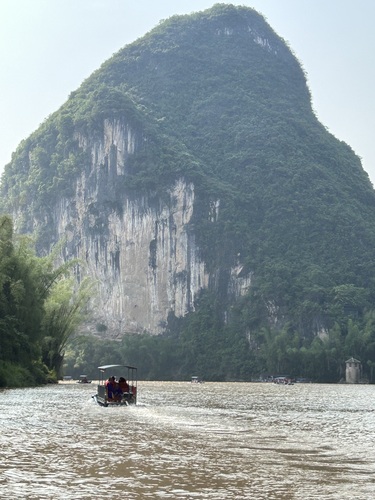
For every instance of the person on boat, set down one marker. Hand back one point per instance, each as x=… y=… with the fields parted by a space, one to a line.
x=111 y=387
x=123 y=385
x=117 y=390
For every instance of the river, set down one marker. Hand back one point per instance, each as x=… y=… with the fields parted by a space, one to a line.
x=189 y=441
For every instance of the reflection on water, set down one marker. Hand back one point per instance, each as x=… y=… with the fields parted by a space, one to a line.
x=189 y=441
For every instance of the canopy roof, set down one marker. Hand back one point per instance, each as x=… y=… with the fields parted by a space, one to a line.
x=107 y=367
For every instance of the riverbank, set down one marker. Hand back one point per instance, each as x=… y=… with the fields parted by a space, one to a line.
x=13 y=375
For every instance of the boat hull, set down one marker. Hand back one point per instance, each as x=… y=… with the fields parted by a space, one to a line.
x=102 y=402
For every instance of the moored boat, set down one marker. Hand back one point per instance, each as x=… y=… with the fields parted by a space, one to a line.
x=120 y=391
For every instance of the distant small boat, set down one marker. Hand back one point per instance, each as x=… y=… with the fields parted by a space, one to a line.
x=196 y=380
x=83 y=380
x=283 y=380
x=121 y=392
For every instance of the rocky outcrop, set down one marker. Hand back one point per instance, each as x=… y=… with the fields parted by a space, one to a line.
x=142 y=254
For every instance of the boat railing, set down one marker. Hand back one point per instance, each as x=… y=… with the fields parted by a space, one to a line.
x=102 y=391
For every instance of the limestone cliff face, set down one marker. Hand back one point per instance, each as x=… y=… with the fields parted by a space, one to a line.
x=142 y=253
x=213 y=113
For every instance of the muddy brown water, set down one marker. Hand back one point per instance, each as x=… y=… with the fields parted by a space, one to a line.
x=189 y=441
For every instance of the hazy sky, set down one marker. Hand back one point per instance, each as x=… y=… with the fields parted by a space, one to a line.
x=48 y=47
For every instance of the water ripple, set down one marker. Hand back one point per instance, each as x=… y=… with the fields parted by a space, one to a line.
x=214 y=441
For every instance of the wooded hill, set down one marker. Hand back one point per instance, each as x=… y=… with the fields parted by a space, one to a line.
x=224 y=103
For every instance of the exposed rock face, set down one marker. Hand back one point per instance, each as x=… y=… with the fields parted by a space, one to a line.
x=143 y=254
x=192 y=159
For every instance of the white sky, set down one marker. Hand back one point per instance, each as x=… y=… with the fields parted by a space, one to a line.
x=48 y=47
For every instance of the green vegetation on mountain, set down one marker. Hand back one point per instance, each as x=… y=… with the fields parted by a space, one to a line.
x=224 y=103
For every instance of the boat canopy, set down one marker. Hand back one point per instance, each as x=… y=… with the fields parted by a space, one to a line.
x=107 y=367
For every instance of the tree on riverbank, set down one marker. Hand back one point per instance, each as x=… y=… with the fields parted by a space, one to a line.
x=36 y=316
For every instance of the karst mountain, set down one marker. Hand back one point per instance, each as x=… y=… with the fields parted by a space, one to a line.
x=192 y=179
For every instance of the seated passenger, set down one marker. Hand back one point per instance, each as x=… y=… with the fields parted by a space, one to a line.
x=111 y=388
x=123 y=385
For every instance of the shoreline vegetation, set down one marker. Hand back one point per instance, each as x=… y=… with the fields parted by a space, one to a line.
x=41 y=306
x=13 y=376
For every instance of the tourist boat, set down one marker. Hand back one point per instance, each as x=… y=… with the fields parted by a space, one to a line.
x=83 y=379
x=107 y=396
x=283 y=380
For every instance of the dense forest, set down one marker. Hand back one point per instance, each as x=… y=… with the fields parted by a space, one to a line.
x=203 y=346
x=233 y=117
x=40 y=308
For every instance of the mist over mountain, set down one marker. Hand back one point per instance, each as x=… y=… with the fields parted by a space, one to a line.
x=193 y=180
